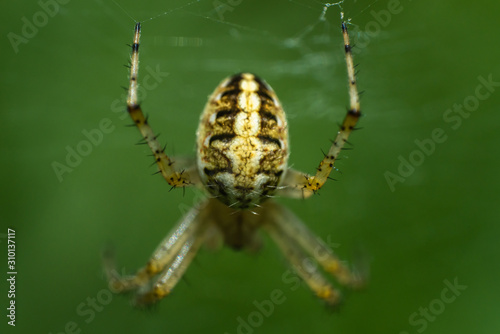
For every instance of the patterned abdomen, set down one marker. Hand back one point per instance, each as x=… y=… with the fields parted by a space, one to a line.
x=242 y=143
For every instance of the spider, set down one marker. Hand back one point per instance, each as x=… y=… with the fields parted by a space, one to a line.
x=242 y=153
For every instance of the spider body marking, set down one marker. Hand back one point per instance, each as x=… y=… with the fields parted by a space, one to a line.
x=242 y=143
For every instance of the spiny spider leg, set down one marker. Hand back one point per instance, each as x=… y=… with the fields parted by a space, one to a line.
x=187 y=229
x=171 y=275
x=290 y=225
x=175 y=178
x=297 y=184
x=300 y=260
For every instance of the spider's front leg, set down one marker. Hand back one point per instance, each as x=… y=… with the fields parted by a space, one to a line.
x=176 y=178
x=297 y=184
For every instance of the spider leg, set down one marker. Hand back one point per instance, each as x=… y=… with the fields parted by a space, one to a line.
x=188 y=166
x=175 y=177
x=293 y=186
x=312 y=244
x=308 y=184
x=171 y=275
x=301 y=262
x=167 y=253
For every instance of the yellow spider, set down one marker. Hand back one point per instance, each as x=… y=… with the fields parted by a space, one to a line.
x=242 y=155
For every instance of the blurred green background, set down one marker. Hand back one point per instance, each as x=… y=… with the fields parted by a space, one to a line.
x=430 y=224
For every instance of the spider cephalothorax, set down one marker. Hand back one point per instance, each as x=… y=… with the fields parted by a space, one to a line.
x=242 y=154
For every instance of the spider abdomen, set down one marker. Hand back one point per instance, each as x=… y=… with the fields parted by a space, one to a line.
x=242 y=144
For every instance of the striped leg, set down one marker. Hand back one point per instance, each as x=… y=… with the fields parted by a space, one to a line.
x=297 y=184
x=165 y=164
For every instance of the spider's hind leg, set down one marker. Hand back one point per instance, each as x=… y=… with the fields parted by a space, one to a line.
x=171 y=259
x=171 y=275
x=304 y=250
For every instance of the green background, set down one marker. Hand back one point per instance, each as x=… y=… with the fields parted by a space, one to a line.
x=439 y=225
